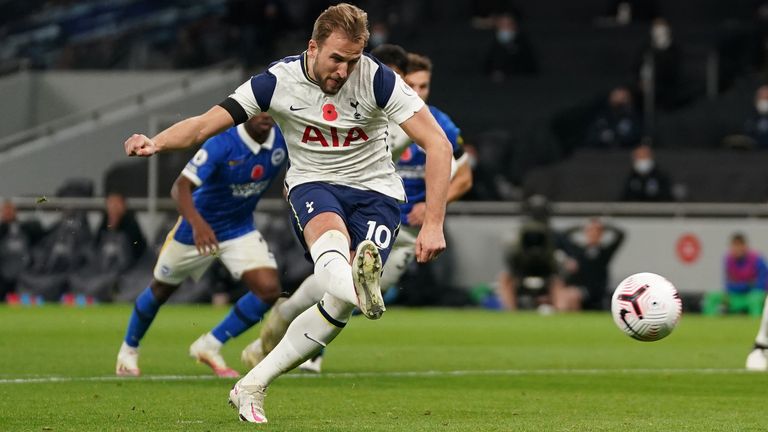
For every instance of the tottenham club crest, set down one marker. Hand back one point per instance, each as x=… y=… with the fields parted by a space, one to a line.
x=353 y=103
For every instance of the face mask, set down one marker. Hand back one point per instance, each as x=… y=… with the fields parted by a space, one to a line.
x=762 y=106
x=378 y=39
x=661 y=37
x=643 y=166
x=505 y=36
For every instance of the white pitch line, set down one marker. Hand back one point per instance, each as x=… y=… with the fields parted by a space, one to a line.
x=402 y=374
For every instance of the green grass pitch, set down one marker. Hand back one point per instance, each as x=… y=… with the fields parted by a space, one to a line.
x=414 y=370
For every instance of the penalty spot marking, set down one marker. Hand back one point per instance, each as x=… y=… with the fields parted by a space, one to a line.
x=394 y=374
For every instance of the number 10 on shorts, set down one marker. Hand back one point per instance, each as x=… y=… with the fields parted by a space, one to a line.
x=380 y=235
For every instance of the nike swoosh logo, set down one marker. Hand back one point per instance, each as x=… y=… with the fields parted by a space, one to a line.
x=306 y=335
x=297 y=109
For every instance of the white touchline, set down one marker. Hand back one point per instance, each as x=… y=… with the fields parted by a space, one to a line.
x=394 y=374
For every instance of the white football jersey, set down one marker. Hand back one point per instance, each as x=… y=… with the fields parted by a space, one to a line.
x=343 y=138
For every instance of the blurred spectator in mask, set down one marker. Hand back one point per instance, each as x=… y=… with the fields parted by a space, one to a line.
x=618 y=125
x=118 y=219
x=379 y=35
x=510 y=52
x=646 y=182
x=660 y=66
x=756 y=126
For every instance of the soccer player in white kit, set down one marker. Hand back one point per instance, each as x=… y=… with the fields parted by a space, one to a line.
x=417 y=72
x=333 y=105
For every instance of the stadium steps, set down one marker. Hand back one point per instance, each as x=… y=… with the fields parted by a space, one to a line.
x=85 y=144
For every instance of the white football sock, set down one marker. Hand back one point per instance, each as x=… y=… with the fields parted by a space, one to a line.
x=211 y=341
x=310 y=332
x=762 y=333
x=331 y=255
x=307 y=294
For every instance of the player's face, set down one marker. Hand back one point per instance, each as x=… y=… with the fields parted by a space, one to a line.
x=261 y=123
x=738 y=249
x=419 y=81
x=333 y=61
x=593 y=233
x=8 y=213
x=115 y=206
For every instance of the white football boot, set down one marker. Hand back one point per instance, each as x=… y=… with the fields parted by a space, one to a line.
x=253 y=354
x=206 y=350
x=127 y=361
x=757 y=360
x=249 y=403
x=366 y=274
x=313 y=365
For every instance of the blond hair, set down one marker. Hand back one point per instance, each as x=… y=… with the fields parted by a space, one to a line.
x=418 y=63
x=345 y=18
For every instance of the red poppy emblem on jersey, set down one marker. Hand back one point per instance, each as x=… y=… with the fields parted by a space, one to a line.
x=257 y=172
x=407 y=155
x=329 y=112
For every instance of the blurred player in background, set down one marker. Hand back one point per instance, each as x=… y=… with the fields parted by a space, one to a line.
x=230 y=173
x=411 y=167
x=341 y=182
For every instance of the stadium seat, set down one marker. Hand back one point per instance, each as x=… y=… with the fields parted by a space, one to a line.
x=99 y=277
x=63 y=250
x=15 y=257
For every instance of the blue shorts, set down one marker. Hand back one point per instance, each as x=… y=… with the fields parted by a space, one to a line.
x=368 y=215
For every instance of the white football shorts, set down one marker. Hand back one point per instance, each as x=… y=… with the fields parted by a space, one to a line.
x=177 y=261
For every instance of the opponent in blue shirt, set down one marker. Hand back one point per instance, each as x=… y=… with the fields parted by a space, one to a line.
x=230 y=173
x=413 y=160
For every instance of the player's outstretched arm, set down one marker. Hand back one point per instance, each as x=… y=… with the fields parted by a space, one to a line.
x=424 y=130
x=204 y=236
x=186 y=133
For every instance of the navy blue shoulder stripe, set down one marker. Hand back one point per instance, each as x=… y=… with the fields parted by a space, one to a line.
x=383 y=82
x=263 y=86
x=285 y=60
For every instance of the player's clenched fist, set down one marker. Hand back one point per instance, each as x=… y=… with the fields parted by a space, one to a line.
x=429 y=244
x=139 y=145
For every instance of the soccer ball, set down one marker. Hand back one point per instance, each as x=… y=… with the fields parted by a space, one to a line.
x=646 y=306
